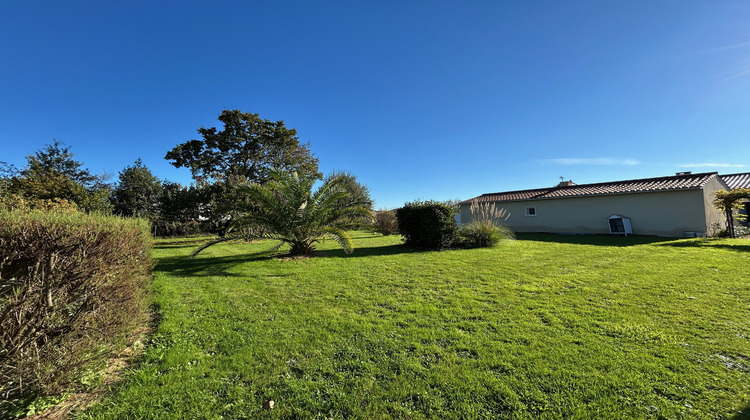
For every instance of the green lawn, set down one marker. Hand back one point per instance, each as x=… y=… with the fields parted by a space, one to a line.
x=543 y=327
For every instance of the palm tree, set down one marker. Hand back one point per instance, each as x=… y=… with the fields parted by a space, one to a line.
x=288 y=210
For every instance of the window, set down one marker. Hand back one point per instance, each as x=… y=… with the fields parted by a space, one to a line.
x=619 y=225
x=616 y=226
x=531 y=211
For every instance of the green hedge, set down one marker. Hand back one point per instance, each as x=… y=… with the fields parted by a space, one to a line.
x=427 y=224
x=71 y=287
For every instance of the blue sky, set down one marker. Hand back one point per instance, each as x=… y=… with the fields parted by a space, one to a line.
x=419 y=99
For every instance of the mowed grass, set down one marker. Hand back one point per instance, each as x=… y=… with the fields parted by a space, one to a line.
x=545 y=326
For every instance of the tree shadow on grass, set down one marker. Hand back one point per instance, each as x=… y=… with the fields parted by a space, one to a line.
x=187 y=266
x=599 y=240
x=373 y=251
x=739 y=245
x=743 y=414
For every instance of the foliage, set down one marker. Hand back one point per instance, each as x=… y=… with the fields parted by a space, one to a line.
x=57 y=158
x=179 y=210
x=486 y=228
x=728 y=202
x=48 y=184
x=138 y=192
x=246 y=150
x=287 y=209
x=427 y=224
x=71 y=285
x=53 y=174
x=16 y=202
x=741 y=231
x=385 y=222
x=8 y=171
x=543 y=327
x=359 y=193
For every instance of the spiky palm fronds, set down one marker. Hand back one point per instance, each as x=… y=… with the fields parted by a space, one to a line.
x=289 y=210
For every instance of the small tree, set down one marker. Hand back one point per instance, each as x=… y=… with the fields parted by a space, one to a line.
x=728 y=201
x=287 y=209
x=137 y=194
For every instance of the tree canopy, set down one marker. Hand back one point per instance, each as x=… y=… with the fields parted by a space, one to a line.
x=248 y=148
x=137 y=193
x=52 y=174
x=58 y=158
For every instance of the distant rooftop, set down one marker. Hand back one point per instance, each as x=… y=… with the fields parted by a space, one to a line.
x=737 y=180
x=681 y=181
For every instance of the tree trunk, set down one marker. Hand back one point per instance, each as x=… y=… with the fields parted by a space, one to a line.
x=730 y=222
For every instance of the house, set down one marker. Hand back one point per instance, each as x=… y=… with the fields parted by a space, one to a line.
x=740 y=181
x=672 y=206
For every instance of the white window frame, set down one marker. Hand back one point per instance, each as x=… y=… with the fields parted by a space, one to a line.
x=528 y=213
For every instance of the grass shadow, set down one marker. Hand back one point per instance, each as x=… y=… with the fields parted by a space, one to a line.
x=743 y=414
x=373 y=251
x=598 y=240
x=739 y=245
x=187 y=266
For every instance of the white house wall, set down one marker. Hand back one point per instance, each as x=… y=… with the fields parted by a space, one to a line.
x=715 y=219
x=670 y=213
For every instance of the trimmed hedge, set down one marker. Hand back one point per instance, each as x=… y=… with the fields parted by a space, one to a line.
x=427 y=224
x=71 y=287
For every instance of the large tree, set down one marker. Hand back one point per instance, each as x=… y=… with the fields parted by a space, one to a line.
x=138 y=192
x=248 y=148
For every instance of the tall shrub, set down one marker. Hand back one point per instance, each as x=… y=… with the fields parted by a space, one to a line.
x=385 y=222
x=427 y=224
x=71 y=285
x=486 y=228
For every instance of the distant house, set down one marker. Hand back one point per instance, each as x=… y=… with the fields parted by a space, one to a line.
x=672 y=206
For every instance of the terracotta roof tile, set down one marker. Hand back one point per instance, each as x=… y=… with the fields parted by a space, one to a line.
x=737 y=180
x=667 y=183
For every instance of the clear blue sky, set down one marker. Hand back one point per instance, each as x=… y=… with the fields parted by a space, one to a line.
x=419 y=99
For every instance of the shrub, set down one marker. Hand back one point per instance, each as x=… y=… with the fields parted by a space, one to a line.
x=385 y=222
x=486 y=228
x=427 y=224
x=71 y=286
x=17 y=202
x=741 y=231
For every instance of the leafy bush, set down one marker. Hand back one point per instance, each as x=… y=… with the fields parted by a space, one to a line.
x=486 y=228
x=427 y=224
x=17 y=202
x=71 y=286
x=741 y=231
x=385 y=222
